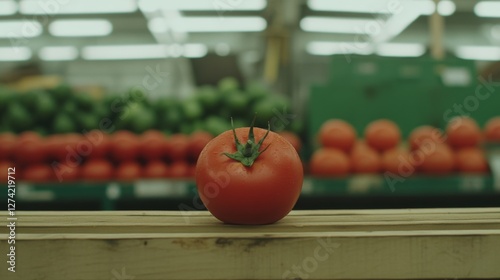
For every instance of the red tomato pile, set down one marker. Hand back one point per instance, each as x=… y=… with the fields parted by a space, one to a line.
x=429 y=150
x=96 y=156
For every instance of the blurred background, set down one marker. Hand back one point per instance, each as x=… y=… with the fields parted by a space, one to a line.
x=390 y=103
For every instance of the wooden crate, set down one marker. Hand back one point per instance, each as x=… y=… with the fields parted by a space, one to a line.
x=333 y=244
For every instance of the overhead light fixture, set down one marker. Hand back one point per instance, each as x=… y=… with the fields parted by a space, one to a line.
x=59 y=53
x=400 y=49
x=486 y=53
x=446 y=7
x=124 y=52
x=8 y=7
x=158 y=25
x=358 y=6
x=20 y=29
x=36 y=7
x=216 y=24
x=14 y=53
x=426 y=7
x=487 y=9
x=80 y=27
x=202 y=5
x=194 y=50
x=331 y=48
x=338 y=25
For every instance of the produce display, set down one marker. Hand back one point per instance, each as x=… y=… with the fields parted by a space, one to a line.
x=63 y=135
x=62 y=110
x=428 y=150
x=96 y=156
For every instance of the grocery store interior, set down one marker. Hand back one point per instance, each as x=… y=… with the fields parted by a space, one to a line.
x=107 y=104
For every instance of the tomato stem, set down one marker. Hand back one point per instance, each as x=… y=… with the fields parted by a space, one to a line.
x=248 y=153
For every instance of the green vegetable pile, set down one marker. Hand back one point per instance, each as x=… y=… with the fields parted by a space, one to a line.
x=62 y=110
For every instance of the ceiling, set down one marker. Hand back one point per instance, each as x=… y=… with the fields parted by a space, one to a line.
x=282 y=18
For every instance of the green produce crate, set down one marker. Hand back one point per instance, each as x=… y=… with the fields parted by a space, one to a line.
x=411 y=92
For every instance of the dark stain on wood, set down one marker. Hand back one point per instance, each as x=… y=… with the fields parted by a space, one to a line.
x=191 y=243
x=257 y=242
x=145 y=243
x=223 y=242
x=112 y=244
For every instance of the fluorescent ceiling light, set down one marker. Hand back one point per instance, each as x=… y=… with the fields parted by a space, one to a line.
x=487 y=9
x=80 y=27
x=218 y=24
x=124 y=52
x=194 y=50
x=77 y=7
x=158 y=25
x=8 y=7
x=129 y=52
x=20 y=29
x=487 y=53
x=426 y=7
x=400 y=49
x=202 y=5
x=446 y=7
x=14 y=53
x=338 y=25
x=331 y=48
x=357 y=6
x=58 y=53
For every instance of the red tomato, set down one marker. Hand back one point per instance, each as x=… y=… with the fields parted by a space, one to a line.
x=97 y=170
x=69 y=149
x=128 y=171
x=397 y=161
x=29 y=135
x=156 y=169
x=365 y=160
x=124 y=146
x=7 y=144
x=100 y=142
x=259 y=193
x=197 y=141
x=439 y=160
x=152 y=145
x=152 y=133
x=38 y=173
x=382 y=134
x=425 y=134
x=293 y=139
x=471 y=160
x=463 y=132
x=30 y=150
x=4 y=167
x=330 y=162
x=192 y=171
x=492 y=130
x=337 y=134
x=176 y=147
x=179 y=169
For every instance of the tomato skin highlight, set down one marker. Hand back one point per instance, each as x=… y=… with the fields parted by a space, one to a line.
x=260 y=194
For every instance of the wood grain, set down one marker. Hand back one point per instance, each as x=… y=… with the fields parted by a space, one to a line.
x=326 y=244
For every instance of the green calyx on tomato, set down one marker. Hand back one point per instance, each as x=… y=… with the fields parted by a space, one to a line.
x=249 y=152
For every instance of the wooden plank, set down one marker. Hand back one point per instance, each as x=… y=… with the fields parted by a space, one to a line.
x=436 y=257
x=378 y=244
